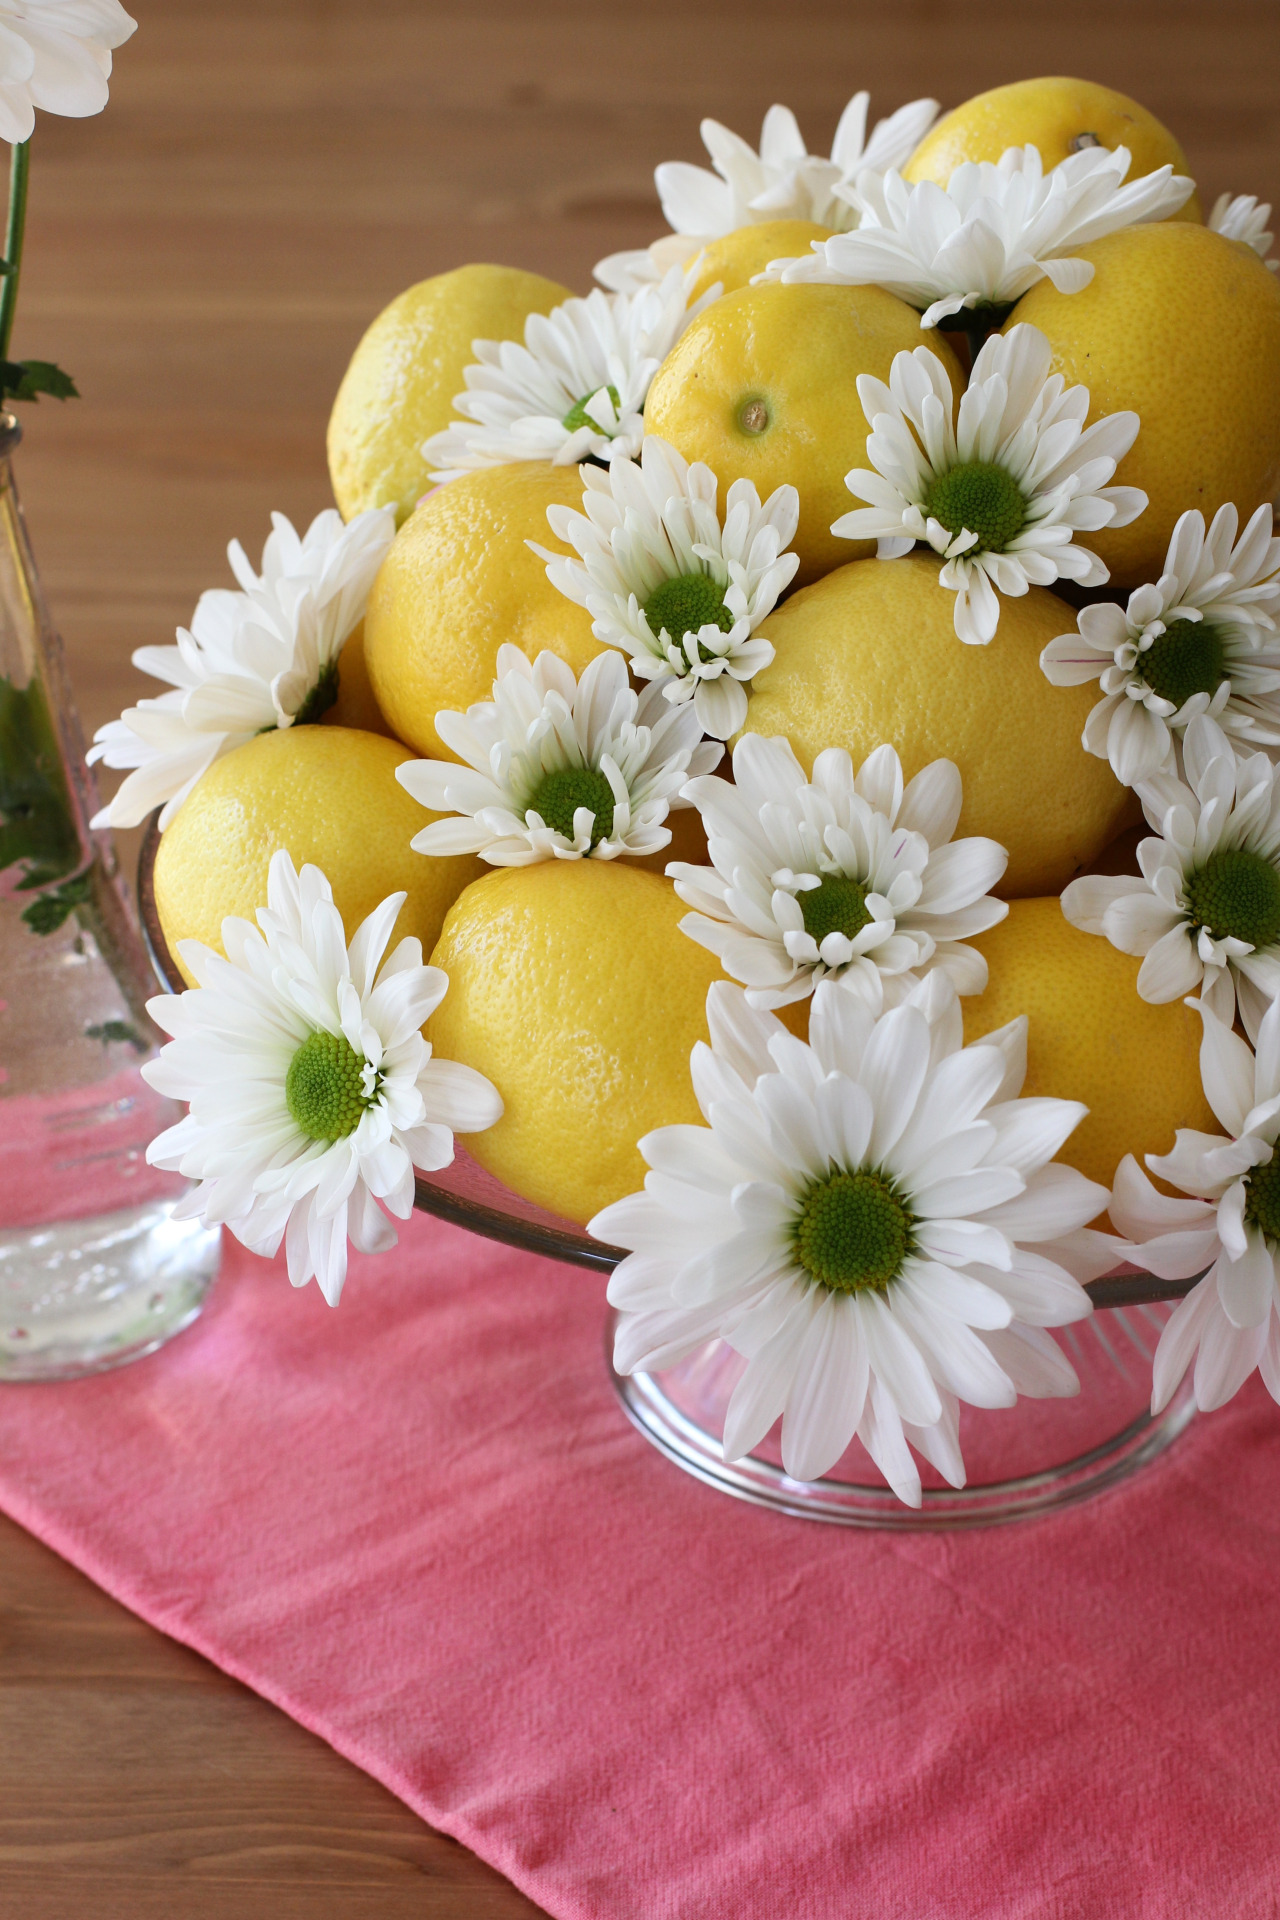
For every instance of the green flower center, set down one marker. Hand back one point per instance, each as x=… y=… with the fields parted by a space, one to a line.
x=838 y=905
x=1187 y=658
x=578 y=416
x=323 y=1088
x=983 y=498
x=687 y=603
x=1262 y=1198
x=322 y=696
x=854 y=1232
x=1236 y=894
x=560 y=793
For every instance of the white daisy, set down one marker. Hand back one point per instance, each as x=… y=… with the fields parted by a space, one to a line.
x=313 y=1094
x=663 y=580
x=874 y=1220
x=1205 y=912
x=264 y=657
x=1202 y=639
x=576 y=389
x=784 y=181
x=990 y=233
x=1002 y=494
x=56 y=55
x=854 y=876
x=557 y=768
x=1230 y=1322
x=1243 y=217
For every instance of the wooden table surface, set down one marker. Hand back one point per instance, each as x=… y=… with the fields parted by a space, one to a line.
x=203 y=258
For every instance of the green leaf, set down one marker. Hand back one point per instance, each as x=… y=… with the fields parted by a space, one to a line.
x=112 y=1032
x=48 y=910
x=37 y=822
x=28 y=379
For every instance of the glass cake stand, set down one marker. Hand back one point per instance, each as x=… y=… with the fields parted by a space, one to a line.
x=1022 y=1461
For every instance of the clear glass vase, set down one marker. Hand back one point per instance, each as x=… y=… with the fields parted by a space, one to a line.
x=94 y=1270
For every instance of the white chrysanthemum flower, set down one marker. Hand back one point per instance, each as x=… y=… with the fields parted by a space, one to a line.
x=1244 y=217
x=1205 y=913
x=875 y=1220
x=1230 y=1321
x=576 y=389
x=853 y=876
x=264 y=657
x=663 y=580
x=56 y=55
x=784 y=181
x=557 y=768
x=313 y=1094
x=991 y=233
x=1202 y=639
x=1002 y=494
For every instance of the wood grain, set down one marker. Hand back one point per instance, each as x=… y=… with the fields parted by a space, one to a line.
x=203 y=257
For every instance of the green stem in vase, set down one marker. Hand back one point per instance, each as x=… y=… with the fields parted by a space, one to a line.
x=15 y=229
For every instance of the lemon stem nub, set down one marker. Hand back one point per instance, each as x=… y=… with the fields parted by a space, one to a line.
x=560 y=793
x=753 y=416
x=1236 y=895
x=854 y=1232
x=324 y=1087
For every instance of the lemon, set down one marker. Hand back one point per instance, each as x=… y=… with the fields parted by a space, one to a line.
x=1136 y=1067
x=403 y=376
x=763 y=386
x=458 y=582
x=869 y=655
x=355 y=705
x=1056 y=115
x=735 y=258
x=1183 y=327
x=572 y=988
x=330 y=796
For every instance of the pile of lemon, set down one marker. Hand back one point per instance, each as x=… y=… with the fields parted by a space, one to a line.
x=571 y=985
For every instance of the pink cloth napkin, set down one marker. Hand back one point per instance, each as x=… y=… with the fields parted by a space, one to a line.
x=422 y=1526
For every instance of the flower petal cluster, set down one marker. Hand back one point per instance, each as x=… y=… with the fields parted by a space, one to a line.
x=680 y=593
x=575 y=389
x=1200 y=639
x=1229 y=1323
x=1002 y=494
x=852 y=876
x=294 y=988
x=56 y=55
x=263 y=657
x=784 y=181
x=1205 y=912
x=874 y=1220
x=1243 y=217
x=526 y=748
x=992 y=232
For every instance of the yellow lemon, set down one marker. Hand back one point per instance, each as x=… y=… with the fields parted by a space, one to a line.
x=355 y=705
x=869 y=655
x=736 y=258
x=1058 y=116
x=764 y=387
x=1183 y=327
x=399 y=387
x=458 y=582
x=572 y=988
x=1090 y=1038
x=328 y=795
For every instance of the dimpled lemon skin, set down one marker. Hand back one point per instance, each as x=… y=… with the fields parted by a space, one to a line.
x=572 y=988
x=798 y=351
x=458 y=581
x=736 y=258
x=1183 y=327
x=399 y=387
x=1049 y=114
x=869 y=655
x=1090 y=1038
x=328 y=795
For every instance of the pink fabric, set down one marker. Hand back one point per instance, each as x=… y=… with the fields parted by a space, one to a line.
x=423 y=1527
